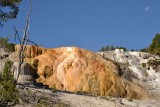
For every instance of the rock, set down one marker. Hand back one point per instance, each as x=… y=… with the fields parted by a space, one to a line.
x=158 y=68
x=144 y=55
x=138 y=72
x=27 y=72
x=78 y=70
x=152 y=58
x=39 y=85
x=20 y=86
x=25 y=78
x=20 y=101
x=32 y=97
x=45 y=86
x=129 y=103
x=157 y=57
x=120 y=56
x=3 y=53
x=27 y=69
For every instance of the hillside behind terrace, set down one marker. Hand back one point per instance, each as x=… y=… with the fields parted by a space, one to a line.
x=116 y=73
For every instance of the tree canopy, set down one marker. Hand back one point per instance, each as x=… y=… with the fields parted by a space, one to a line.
x=154 y=47
x=8 y=10
x=144 y=50
x=111 y=48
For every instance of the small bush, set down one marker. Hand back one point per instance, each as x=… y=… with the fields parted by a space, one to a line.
x=146 y=74
x=9 y=47
x=53 y=90
x=41 y=103
x=153 y=63
x=62 y=105
x=81 y=92
x=144 y=50
x=144 y=65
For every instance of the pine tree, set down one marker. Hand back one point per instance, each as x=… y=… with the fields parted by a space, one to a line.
x=8 y=91
x=154 y=48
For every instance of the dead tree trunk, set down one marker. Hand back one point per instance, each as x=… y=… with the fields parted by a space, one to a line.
x=23 y=42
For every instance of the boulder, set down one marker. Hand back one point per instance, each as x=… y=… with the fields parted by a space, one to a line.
x=25 y=78
x=27 y=73
x=144 y=55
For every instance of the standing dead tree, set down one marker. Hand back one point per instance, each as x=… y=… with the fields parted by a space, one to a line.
x=23 y=42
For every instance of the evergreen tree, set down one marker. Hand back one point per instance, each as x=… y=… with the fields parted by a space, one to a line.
x=154 y=47
x=8 y=91
x=12 y=12
x=111 y=48
x=144 y=50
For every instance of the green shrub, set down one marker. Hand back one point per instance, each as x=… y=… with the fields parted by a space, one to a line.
x=153 y=63
x=9 y=47
x=146 y=74
x=54 y=90
x=8 y=92
x=41 y=103
x=130 y=99
x=81 y=92
x=144 y=50
x=62 y=105
x=111 y=48
x=143 y=65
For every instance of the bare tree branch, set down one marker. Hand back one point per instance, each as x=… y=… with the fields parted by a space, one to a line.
x=17 y=35
x=32 y=42
x=23 y=42
x=26 y=34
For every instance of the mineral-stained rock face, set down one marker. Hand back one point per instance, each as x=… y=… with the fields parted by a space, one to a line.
x=78 y=70
x=31 y=51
